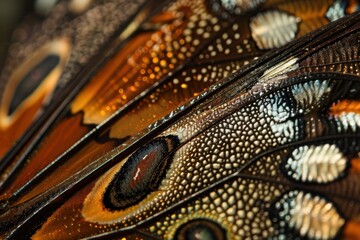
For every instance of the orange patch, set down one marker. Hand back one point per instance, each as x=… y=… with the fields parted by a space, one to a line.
x=355 y=165
x=351 y=230
x=345 y=106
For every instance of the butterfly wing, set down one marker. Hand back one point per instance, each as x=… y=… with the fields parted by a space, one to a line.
x=170 y=140
x=46 y=54
x=136 y=86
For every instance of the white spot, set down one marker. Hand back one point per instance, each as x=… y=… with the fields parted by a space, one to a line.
x=286 y=129
x=273 y=29
x=240 y=6
x=79 y=6
x=348 y=120
x=280 y=68
x=310 y=93
x=311 y=216
x=336 y=11
x=137 y=173
x=280 y=112
x=322 y=163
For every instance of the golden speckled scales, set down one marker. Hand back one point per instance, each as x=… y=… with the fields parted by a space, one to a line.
x=201 y=119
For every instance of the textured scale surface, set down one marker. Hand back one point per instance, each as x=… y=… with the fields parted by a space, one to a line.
x=204 y=119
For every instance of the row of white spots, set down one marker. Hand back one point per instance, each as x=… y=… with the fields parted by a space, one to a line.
x=322 y=164
x=210 y=73
x=311 y=216
x=226 y=43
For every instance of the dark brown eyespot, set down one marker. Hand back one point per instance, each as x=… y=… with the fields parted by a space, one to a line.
x=32 y=84
x=200 y=229
x=32 y=80
x=141 y=174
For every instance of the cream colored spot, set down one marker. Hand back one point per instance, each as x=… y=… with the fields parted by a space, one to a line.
x=314 y=217
x=79 y=6
x=322 y=163
x=273 y=29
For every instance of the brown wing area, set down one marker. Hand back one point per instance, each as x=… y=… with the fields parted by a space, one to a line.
x=154 y=106
x=237 y=41
x=312 y=14
x=85 y=35
x=30 y=87
x=70 y=130
x=179 y=89
x=150 y=57
x=10 y=135
x=146 y=59
x=149 y=110
x=71 y=218
x=71 y=213
x=154 y=55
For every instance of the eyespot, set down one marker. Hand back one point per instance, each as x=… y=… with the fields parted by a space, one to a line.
x=126 y=187
x=199 y=229
x=140 y=174
x=34 y=81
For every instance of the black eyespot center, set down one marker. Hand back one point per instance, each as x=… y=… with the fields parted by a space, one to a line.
x=33 y=80
x=141 y=174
